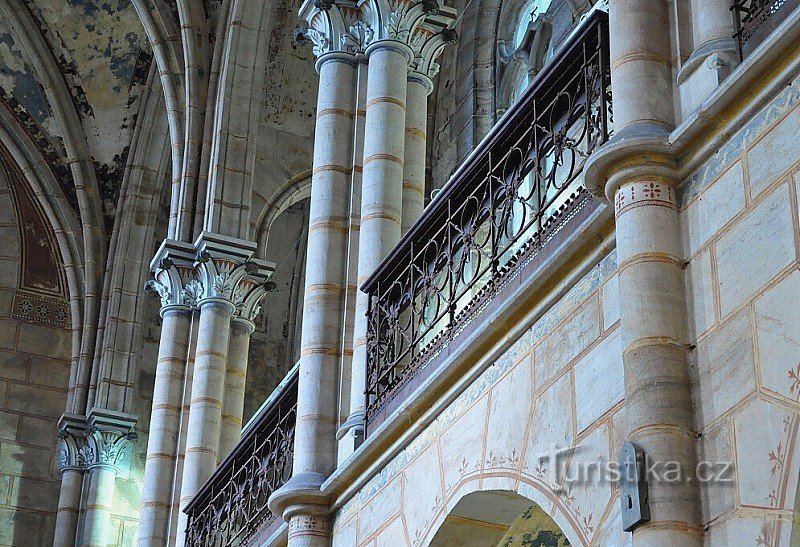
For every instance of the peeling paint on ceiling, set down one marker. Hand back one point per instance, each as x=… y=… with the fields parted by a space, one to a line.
x=102 y=51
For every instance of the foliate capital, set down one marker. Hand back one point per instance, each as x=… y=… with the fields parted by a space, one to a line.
x=347 y=26
x=70 y=443
x=107 y=435
x=173 y=275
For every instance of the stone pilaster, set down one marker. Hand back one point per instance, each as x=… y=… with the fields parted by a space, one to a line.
x=108 y=435
x=175 y=283
x=638 y=174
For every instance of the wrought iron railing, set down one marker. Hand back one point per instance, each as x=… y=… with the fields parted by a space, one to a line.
x=232 y=505
x=498 y=212
x=756 y=19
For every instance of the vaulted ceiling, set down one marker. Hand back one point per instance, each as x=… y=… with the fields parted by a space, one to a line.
x=102 y=58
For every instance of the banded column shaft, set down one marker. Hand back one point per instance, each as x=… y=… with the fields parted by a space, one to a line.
x=381 y=189
x=205 y=411
x=347 y=444
x=419 y=87
x=235 y=375
x=69 y=501
x=186 y=398
x=651 y=290
x=97 y=511
x=162 y=444
x=315 y=430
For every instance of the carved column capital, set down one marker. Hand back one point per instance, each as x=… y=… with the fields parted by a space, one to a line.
x=71 y=440
x=349 y=27
x=228 y=273
x=174 y=276
x=428 y=42
x=107 y=435
x=335 y=27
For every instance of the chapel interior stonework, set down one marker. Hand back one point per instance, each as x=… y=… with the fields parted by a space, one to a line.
x=387 y=273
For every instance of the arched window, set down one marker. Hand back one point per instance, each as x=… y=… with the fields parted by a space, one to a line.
x=526 y=51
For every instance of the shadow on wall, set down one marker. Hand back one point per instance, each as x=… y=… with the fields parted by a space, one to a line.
x=500 y=518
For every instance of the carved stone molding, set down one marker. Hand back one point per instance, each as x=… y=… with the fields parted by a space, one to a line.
x=107 y=435
x=214 y=267
x=71 y=440
x=350 y=27
x=97 y=440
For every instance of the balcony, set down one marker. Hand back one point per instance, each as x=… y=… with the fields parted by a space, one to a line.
x=232 y=506
x=756 y=19
x=502 y=213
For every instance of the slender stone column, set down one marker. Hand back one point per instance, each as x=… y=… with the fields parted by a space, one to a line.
x=186 y=397
x=72 y=467
x=69 y=501
x=205 y=411
x=419 y=87
x=108 y=434
x=162 y=444
x=347 y=443
x=381 y=190
x=639 y=177
x=178 y=290
x=230 y=280
x=97 y=513
x=337 y=40
x=235 y=375
x=714 y=52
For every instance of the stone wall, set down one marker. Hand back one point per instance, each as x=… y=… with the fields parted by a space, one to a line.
x=740 y=232
x=34 y=375
x=560 y=384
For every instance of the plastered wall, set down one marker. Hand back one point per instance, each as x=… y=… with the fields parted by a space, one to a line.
x=740 y=232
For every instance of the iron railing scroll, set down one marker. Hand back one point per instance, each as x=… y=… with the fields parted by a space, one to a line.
x=232 y=505
x=756 y=19
x=500 y=209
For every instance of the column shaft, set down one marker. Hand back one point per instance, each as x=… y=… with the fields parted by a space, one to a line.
x=382 y=187
x=97 y=509
x=205 y=411
x=69 y=502
x=162 y=443
x=235 y=374
x=347 y=442
x=186 y=397
x=323 y=305
x=658 y=403
x=419 y=86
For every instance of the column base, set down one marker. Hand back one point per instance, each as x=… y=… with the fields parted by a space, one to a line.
x=301 y=495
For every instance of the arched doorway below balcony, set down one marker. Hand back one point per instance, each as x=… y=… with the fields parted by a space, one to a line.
x=501 y=518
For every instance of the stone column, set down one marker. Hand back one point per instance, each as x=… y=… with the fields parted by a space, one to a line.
x=714 y=52
x=389 y=181
x=205 y=410
x=177 y=289
x=229 y=279
x=315 y=450
x=71 y=466
x=347 y=443
x=381 y=191
x=235 y=375
x=242 y=326
x=419 y=87
x=639 y=177
x=108 y=434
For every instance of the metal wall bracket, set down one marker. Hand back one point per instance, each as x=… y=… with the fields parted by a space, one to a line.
x=633 y=487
